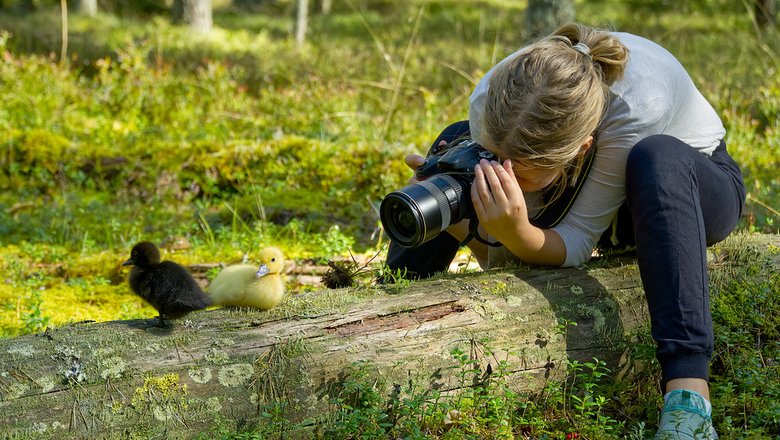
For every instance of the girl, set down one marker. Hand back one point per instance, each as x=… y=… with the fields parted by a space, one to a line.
x=613 y=122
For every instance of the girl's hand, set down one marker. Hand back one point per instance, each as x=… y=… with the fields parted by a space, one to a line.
x=415 y=161
x=499 y=201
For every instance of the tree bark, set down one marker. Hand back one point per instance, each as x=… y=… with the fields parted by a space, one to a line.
x=112 y=379
x=87 y=7
x=544 y=16
x=195 y=13
x=301 y=22
x=326 y=6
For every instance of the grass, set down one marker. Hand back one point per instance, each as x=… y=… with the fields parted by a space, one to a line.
x=241 y=140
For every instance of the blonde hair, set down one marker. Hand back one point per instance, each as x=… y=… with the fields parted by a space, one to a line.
x=543 y=105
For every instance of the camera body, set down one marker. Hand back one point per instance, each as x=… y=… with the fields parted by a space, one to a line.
x=420 y=211
x=458 y=157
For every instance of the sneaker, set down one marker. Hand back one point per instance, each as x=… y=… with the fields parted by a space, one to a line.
x=685 y=416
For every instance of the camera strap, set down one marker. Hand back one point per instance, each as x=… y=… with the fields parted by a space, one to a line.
x=553 y=213
x=474 y=233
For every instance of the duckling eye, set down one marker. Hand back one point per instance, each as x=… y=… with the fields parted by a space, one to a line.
x=273 y=259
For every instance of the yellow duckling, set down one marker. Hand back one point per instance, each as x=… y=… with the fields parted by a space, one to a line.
x=244 y=285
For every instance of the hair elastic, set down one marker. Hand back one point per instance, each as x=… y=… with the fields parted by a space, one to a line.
x=582 y=48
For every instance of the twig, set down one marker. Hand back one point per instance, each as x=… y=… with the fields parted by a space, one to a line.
x=764 y=205
x=176 y=346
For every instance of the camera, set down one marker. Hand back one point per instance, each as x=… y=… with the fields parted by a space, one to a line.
x=420 y=211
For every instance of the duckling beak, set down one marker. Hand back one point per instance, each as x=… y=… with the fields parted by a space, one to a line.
x=262 y=270
x=129 y=262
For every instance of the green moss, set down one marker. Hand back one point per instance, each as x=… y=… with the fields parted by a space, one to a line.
x=176 y=127
x=499 y=288
x=321 y=302
x=159 y=389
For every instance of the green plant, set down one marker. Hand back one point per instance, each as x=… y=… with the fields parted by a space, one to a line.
x=358 y=405
x=585 y=400
x=481 y=402
x=34 y=320
x=397 y=279
x=335 y=242
x=745 y=386
x=638 y=432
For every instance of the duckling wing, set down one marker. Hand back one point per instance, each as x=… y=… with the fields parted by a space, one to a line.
x=165 y=283
x=180 y=307
x=227 y=289
x=266 y=292
x=140 y=282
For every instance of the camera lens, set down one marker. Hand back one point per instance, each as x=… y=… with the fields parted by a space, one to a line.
x=402 y=218
x=420 y=211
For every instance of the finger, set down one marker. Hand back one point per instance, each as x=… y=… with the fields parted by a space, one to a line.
x=496 y=187
x=481 y=186
x=508 y=167
x=414 y=161
x=476 y=200
x=508 y=180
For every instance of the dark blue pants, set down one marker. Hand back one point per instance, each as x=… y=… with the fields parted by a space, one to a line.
x=680 y=201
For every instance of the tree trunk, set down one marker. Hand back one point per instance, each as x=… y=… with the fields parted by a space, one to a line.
x=129 y=379
x=195 y=13
x=326 y=6
x=301 y=23
x=87 y=7
x=544 y=16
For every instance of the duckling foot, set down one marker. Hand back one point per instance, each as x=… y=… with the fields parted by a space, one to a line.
x=159 y=322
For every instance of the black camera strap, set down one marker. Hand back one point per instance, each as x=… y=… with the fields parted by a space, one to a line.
x=474 y=233
x=553 y=213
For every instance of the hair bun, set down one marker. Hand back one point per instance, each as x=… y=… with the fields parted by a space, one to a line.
x=606 y=50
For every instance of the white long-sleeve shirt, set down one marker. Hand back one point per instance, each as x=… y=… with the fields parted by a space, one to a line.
x=655 y=96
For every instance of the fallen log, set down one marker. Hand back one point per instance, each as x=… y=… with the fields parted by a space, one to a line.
x=132 y=380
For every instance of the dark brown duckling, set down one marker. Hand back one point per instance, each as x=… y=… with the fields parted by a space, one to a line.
x=166 y=286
